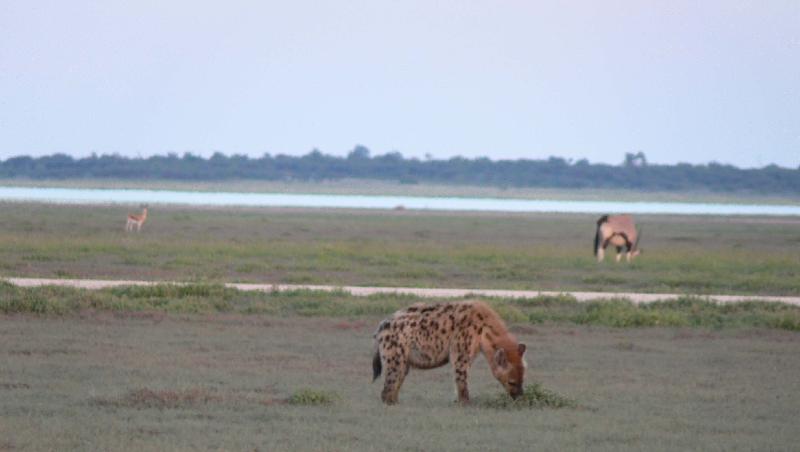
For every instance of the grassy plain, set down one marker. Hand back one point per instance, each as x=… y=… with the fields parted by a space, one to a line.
x=110 y=380
x=201 y=367
x=684 y=254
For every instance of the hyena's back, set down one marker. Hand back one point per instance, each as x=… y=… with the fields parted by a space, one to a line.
x=423 y=335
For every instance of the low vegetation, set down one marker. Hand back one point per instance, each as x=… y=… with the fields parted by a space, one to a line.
x=535 y=396
x=215 y=299
x=312 y=397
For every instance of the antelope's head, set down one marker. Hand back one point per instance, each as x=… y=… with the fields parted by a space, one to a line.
x=508 y=367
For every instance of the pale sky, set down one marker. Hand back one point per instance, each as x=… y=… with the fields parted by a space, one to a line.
x=683 y=81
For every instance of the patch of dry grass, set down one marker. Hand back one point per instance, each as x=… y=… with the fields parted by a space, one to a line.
x=161 y=398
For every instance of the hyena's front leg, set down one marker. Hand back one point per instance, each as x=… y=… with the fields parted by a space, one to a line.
x=461 y=384
x=460 y=357
x=462 y=353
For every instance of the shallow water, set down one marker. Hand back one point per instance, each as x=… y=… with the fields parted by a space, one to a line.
x=104 y=196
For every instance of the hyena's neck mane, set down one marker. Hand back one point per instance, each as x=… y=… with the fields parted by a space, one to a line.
x=495 y=332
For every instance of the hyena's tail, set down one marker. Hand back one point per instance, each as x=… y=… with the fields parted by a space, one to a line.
x=376 y=365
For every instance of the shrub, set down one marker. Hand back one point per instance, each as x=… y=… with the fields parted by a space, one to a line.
x=534 y=397
x=312 y=397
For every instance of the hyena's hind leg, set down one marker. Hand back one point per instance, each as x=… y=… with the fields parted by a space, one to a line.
x=393 y=358
x=396 y=371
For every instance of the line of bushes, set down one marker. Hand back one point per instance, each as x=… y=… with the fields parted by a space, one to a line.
x=555 y=172
x=205 y=299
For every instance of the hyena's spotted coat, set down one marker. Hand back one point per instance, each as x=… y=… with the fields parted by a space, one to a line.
x=428 y=336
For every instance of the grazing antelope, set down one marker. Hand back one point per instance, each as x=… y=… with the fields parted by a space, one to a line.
x=617 y=230
x=136 y=220
x=428 y=336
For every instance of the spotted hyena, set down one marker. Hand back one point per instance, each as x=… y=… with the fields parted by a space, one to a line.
x=429 y=336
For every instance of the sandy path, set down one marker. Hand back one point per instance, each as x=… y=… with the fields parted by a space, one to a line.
x=428 y=293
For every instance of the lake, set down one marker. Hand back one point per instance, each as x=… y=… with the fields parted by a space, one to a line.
x=197 y=198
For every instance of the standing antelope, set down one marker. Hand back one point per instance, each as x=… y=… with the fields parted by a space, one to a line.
x=136 y=220
x=618 y=230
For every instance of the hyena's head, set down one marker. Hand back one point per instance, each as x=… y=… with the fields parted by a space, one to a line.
x=508 y=366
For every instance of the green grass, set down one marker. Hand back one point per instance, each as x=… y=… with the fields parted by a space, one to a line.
x=216 y=299
x=111 y=380
x=421 y=249
x=534 y=396
x=313 y=397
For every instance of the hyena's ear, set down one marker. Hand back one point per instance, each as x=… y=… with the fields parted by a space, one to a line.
x=500 y=357
x=521 y=347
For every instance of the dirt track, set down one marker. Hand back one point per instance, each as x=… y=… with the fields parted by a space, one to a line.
x=429 y=293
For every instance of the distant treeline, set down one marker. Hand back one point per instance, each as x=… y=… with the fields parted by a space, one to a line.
x=633 y=173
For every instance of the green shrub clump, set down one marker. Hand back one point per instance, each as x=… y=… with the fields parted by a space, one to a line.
x=313 y=397
x=534 y=397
